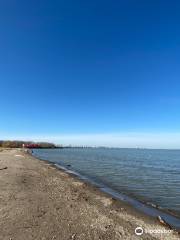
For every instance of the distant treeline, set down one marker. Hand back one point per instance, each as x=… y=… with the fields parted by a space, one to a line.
x=20 y=144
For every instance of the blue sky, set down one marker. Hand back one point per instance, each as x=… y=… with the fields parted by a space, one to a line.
x=74 y=70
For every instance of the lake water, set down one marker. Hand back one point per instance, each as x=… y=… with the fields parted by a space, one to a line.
x=149 y=175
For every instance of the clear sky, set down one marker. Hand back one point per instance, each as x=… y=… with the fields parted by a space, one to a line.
x=94 y=72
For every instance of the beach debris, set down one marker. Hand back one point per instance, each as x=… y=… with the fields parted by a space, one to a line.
x=73 y=236
x=152 y=205
x=3 y=168
x=162 y=221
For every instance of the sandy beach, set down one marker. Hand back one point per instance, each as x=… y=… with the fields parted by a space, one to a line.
x=38 y=201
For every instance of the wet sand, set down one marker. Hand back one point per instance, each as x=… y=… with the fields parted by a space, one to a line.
x=38 y=201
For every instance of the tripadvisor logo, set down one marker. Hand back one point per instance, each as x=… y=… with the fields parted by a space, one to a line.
x=139 y=231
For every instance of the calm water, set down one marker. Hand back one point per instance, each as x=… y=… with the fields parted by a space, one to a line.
x=149 y=175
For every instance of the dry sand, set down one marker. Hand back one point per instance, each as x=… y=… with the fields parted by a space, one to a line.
x=37 y=201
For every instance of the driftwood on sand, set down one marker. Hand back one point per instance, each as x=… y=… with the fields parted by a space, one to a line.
x=3 y=168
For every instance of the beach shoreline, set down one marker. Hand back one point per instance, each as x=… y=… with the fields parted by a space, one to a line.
x=37 y=201
x=171 y=217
